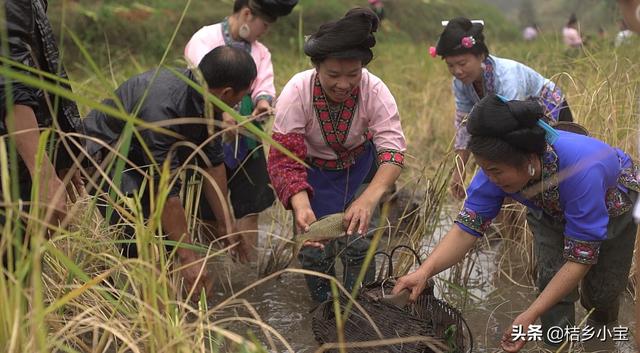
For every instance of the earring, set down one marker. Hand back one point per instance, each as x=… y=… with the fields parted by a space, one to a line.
x=531 y=170
x=244 y=32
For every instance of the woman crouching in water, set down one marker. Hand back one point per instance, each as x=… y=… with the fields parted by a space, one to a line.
x=343 y=121
x=580 y=192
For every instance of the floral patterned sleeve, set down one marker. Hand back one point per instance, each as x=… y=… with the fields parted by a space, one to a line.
x=288 y=177
x=463 y=106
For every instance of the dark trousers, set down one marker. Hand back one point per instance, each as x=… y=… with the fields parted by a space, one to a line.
x=351 y=251
x=601 y=288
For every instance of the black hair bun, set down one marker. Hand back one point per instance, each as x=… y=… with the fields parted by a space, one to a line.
x=450 y=42
x=526 y=112
x=349 y=37
x=273 y=8
x=514 y=121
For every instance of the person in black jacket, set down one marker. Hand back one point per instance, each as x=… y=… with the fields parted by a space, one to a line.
x=25 y=110
x=159 y=99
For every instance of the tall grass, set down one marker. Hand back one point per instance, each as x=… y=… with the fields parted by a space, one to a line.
x=74 y=292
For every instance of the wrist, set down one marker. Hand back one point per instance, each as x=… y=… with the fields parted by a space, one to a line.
x=300 y=201
x=425 y=271
x=531 y=314
x=370 y=200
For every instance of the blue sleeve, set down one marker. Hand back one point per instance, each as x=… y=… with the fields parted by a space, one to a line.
x=484 y=200
x=534 y=81
x=463 y=102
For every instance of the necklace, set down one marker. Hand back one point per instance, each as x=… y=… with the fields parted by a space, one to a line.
x=334 y=110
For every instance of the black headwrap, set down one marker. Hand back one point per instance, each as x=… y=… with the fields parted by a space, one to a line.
x=514 y=122
x=350 y=37
x=451 y=40
x=272 y=9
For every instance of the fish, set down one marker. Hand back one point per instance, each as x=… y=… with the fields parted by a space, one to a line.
x=326 y=228
x=399 y=300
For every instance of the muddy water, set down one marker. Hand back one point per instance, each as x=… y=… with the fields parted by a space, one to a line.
x=491 y=305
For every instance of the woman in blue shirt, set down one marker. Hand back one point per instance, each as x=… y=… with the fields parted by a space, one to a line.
x=477 y=74
x=580 y=192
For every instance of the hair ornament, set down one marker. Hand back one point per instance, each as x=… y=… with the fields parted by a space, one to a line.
x=445 y=23
x=468 y=42
x=551 y=135
x=433 y=52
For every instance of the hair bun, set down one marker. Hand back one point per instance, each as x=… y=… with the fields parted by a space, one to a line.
x=272 y=9
x=530 y=140
x=349 y=37
x=491 y=117
x=476 y=29
x=514 y=122
x=450 y=42
x=526 y=112
x=367 y=15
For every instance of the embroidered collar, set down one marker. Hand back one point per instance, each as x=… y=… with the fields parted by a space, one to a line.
x=489 y=76
x=488 y=84
x=335 y=132
x=546 y=194
x=228 y=40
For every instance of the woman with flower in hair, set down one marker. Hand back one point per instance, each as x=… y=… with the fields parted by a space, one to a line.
x=580 y=193
x=343 y=121
x=245 y=160
x=478 y=74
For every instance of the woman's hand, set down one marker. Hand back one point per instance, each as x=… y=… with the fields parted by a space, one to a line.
x=523 y=321
x=195 y=276
x=228 y=122
x=304 y=216
x=55 y=197
x=358 y=215
x=241 y=251
x=415 y=282
x=262 y=110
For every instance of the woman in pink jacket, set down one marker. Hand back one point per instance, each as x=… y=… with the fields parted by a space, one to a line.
x=343 y=121
x=244 y=156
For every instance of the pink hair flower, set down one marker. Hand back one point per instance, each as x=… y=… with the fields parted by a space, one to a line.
x=468 y=42
x=433 y=52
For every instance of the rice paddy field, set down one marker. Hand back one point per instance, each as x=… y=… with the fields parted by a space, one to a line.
x=71 y=291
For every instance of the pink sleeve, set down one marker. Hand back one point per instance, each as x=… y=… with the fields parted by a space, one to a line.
x=288 y=177
x=575 y=38
x=263 y=86
x=198 y=46
x=290 y=114
x=572 y=37
x=385 y=126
